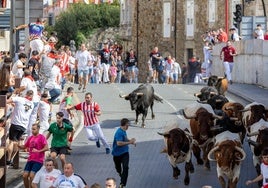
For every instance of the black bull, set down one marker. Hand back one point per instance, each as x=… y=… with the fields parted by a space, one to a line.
x=140 y=99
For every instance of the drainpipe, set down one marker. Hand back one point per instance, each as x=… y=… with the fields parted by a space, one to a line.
x=264 y=9
x=226 y=17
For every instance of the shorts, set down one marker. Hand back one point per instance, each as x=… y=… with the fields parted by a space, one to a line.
x=16 y=132
x=59 y=150
x=131 y=68
x=33 y=166
x=155 y=66
x=83 y=73
x=90 y=71
x=72 y=71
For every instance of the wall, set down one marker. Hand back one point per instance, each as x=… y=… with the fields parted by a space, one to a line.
x=251 y=65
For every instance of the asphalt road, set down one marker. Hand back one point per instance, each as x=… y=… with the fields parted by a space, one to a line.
x=148 y=167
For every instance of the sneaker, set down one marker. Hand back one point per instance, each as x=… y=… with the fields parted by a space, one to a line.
x=84 y=89
x=231 y=82
x=10 y=163
x=107 y=150
x=98 y=143
x=80 y=86
x=121 y=186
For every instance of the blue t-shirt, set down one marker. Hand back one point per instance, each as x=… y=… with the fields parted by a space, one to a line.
x=120 y=135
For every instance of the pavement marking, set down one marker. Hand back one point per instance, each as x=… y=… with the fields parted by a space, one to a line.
x=172 y=106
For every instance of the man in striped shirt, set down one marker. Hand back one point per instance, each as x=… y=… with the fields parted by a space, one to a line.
x=90 y=111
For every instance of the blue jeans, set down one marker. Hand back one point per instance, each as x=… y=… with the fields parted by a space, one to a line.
x=54 y=94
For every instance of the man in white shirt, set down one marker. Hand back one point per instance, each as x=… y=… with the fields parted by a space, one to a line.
x=17 y=68
x=19 y=122
x=28 y=83
x=44 y=109
x=258 y=33
x=46 y=176
x=83 y=60
x=69 y=179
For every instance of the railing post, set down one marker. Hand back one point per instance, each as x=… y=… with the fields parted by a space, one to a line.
x=3 y=133
x=16 y=159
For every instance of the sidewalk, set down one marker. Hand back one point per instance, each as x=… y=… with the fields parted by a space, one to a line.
x=250 y=93
x=14 y=174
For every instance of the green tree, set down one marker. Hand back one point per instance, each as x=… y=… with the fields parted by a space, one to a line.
x=82 y=19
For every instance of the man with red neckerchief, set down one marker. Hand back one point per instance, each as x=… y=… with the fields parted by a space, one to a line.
x=19 y=122
x=264 y=171
x=28 y=83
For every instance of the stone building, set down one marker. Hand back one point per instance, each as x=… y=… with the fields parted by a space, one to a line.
x=177 y=26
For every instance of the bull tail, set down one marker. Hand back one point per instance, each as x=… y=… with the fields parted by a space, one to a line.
x=158 y=98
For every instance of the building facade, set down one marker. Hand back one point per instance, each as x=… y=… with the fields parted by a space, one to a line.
x=177 y=26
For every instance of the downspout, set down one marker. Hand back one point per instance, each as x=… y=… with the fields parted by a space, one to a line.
x=264 y=9
x=175 y=30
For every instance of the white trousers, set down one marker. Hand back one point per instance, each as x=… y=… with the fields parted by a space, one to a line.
x=105 y=72
x=228 y=68
x=94 y=133
x=36 y=44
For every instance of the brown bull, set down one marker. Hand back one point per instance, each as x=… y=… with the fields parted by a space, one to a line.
x=178 y=148
x=220 y=83
x=201 y=124
x=234 y=111
x=253 y=113
x=228 y=154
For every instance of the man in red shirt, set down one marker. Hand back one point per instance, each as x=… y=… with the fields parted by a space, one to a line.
x=227 y=54
x=222 y=37
x=91 y=110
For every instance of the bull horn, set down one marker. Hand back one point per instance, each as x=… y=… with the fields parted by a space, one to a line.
x=229 y=108
x=234 y=119
x=211 y=152
x=212 y=92
x=197 y=94
x=217 y=116
x=253 y=143
x=162 y=134
x=245 y=110
x=123 y=96
x=187 y=117
x=204 y=78
x=202 y=102
x=253 y=134
x=139 y=94
x=220 y=77
x=242 y=152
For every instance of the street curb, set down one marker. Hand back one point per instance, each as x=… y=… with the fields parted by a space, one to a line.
x=239 y=94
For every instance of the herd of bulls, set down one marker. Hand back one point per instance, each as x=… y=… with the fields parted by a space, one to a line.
x=217 y=128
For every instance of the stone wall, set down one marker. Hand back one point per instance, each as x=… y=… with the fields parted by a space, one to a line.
x=251 y=64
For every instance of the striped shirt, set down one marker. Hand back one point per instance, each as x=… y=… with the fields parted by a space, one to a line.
x=90 y=118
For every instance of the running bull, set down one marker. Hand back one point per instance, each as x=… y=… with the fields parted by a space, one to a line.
x=141 y=99
x=178 y=148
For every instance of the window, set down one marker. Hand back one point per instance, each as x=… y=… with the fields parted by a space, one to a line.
x=211 y=11
x=167 y=20
x=189 y=18
x=2 y=34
